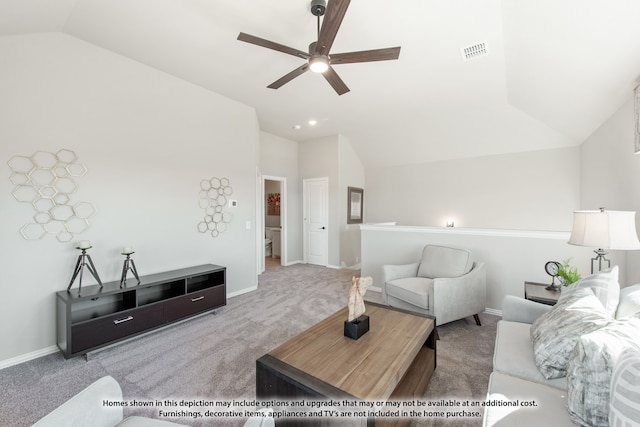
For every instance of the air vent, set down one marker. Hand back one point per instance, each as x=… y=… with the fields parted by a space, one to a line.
x=474 y=51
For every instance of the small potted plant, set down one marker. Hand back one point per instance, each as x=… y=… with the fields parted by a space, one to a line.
x=567 y=274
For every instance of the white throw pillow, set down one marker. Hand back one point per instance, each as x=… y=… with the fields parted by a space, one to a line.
x=604 y=285
x=555 y=333
x=590 y=368
x=624 y=406
x=629 y=301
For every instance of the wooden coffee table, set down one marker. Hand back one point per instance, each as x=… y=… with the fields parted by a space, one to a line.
x=394 y=360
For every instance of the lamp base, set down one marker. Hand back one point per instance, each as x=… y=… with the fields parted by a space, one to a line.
x=601 y=255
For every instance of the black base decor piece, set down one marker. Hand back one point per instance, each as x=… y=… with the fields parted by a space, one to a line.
x=356 y=328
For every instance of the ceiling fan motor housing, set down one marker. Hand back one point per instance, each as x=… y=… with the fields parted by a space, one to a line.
x=318 y=7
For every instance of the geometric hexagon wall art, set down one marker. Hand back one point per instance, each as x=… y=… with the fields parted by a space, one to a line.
x=47 y=181
x=214 y=194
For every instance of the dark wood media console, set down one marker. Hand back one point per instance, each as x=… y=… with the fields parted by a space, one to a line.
x=101 y=316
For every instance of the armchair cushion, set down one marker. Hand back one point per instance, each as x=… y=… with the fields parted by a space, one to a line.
x=440 y=261
x=414 y=290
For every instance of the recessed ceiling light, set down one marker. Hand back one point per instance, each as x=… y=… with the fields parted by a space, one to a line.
x=312 y=122
x=297 y=127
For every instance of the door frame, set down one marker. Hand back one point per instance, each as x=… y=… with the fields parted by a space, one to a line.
x=305 y=196
x=283 y=218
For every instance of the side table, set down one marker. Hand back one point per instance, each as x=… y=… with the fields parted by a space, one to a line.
x=538 y=292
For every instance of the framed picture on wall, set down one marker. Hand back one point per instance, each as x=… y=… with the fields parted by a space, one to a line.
x=355 y=205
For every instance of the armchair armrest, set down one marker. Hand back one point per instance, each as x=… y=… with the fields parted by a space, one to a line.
x=399 y=271
x=457 y=297
x=516 y=309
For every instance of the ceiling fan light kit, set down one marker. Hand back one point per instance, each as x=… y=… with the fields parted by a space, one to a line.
x=318 y=58
x=318 y=63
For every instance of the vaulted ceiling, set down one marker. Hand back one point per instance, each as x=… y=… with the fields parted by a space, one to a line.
x=555 y=71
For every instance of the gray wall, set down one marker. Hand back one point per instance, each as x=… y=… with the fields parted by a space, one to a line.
x=147 y=140
x=333 y=157
x=279 y=157
x=535 y=190
x=610 y=173
x=511 y=257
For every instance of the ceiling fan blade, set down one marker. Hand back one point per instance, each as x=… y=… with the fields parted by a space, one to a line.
x=288 y=77
x=386 y=54
x=248 y=38
x=335 y=81
x=333 y=16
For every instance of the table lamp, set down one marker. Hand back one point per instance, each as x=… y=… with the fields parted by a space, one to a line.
x=603 y=229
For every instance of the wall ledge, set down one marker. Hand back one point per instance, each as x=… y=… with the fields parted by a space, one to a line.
x=532 y=234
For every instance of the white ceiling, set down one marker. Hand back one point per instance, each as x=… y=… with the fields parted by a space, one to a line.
x=556 y=69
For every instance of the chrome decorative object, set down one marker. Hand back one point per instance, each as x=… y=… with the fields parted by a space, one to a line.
x=47 y=181
x=214 y=194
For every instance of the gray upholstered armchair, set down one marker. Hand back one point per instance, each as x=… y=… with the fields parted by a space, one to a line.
x=446 y=283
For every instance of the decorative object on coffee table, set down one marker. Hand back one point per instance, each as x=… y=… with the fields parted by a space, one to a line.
x=81 y=264
x=128 y=265
x=357 y=324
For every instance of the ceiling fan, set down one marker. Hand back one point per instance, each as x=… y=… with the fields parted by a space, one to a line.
x=318 y=58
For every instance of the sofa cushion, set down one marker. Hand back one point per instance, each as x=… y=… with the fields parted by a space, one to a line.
x=590 y=368
x=549 y=410
x=604 y=285
x=629 y=301
x=624 y=407
x=440 y=261
x=513 y=354
x=414 y=290
x=555 y=333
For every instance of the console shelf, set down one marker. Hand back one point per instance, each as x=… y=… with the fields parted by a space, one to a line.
x=96 y=317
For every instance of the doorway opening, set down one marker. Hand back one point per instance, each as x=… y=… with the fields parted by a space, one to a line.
x=274 y=214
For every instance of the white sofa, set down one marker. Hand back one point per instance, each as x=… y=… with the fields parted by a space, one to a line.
x=445 y=283
x=517 y=377
x=87 y=409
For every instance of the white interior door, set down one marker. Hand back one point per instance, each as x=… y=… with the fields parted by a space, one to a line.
x=316 y=214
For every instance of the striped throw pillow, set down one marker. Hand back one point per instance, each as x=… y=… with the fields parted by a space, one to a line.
x=624 y=406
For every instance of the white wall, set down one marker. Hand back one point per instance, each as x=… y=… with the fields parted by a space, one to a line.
x=319 y=158
x=351 y=175
x=333 y=157
x=147 y=140
x=535 y=190
x=610 y=173
x=279 y=157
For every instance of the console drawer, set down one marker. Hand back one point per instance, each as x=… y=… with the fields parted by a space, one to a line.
x=194 y=303
x=93 y=333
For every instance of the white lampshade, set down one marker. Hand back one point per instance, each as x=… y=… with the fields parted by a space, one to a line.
x=605 y=230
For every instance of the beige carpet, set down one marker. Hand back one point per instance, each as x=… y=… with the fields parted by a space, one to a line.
x=213 y=356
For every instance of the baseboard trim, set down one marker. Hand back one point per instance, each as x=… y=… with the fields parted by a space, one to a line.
x=28 y=356
x=493 y=311
x=242 y=291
